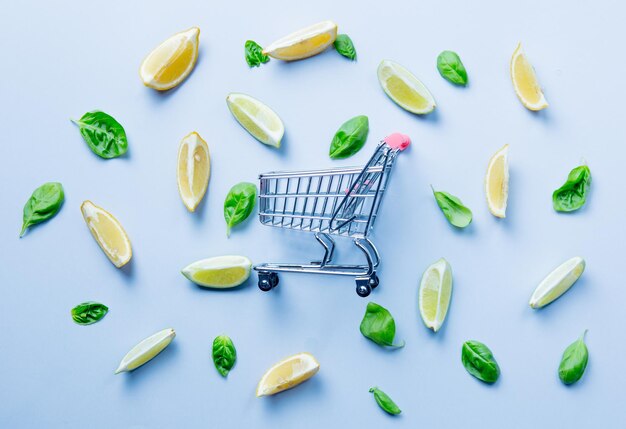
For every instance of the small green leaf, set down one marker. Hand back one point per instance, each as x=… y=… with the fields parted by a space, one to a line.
x=224 y=354
x=349 y=138
x=378 y=325
x=385 y=402
x=44 y=203
x=479 y=361
x=343 y=45
x=574 y=361
x=451 y=68
x=89 y=312
x=573 y=194
x=254 y=54
x=453 y=209
x=239 y=204
x=104 y=135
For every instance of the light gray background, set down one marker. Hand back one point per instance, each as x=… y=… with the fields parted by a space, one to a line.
x=61 y=59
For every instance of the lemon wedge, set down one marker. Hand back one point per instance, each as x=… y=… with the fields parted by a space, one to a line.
x=525 y=81
x=256 y=118
x=220 y=272
x=303 y=43
x=497 y=182
x=557 y=282
x=404 y=88
x=287 y=373
x=194 y=170
x=434 y=294
x=146 y=350
x=108 y=233
x=172 y=61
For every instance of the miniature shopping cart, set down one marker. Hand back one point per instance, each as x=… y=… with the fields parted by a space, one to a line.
x=337 y=201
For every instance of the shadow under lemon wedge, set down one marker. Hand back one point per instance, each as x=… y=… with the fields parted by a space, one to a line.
x=108 y=233
x=220 y=272
x=288 y=373
x=194 y=170
x=172 y=61
x=303 y=43
x=525 y=81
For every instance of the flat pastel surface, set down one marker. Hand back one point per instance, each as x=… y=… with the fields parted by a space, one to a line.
x=61 y=59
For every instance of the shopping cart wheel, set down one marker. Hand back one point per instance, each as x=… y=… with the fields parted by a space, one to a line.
x=363 y=287
x=267 y=281
x=374 y=281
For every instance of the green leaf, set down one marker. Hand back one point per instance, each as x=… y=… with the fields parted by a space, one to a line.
x=574 y=361
x=43 y=204
x=254 y=54
x=343 y=45
x=104 y=135
x=349 y=138
x=453 y=209
x=385 y=402
x=378 y=325
x=479 y=361
x=89 y=312
x=451 y=68
x=224 y=354
x=573 y=194
x=239 y=203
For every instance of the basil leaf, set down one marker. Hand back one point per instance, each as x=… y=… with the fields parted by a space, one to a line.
x=224 y=354
x=254 y=54
x=89 y=312
x=451 y=68
x=479 y=361
x=104 y=135
x=239 y=204
x=343 y=45
x=349 y=138
x=574 y=361
x=43 y=204
x=573 y=194
x=385 y=402
x=378 y=325
x=453 y=209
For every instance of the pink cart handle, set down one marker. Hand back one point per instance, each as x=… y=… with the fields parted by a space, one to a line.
x=397 y=141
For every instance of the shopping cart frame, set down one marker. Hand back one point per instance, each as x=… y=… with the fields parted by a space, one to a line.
x=355 y=194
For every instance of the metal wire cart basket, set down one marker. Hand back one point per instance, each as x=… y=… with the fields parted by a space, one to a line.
x=337 y=201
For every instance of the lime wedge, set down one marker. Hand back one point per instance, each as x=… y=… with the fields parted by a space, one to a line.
x=557 y=282
x=146 y=350
x=434 y=294
x=258 y=119
x=405 y=89
x=220 y=272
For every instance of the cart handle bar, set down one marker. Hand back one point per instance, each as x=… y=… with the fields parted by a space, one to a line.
x=397 y=141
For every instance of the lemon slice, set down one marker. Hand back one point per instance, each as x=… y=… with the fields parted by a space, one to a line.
x=257 y=119
x=146 y=350
x=434 y=294
x=303 y=43
x=108 y=233
x=557 y=282
x=219 y=272
x=497 y=182
x=194 y=170
x=287 y=373
x=172 y=61
x=404 y=88
x=525 y=81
